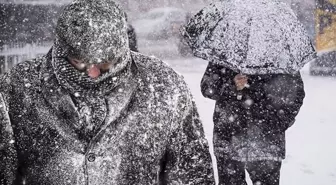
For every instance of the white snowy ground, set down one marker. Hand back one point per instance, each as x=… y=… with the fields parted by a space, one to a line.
x=311 y=142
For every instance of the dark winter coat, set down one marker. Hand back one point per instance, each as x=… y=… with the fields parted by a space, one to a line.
x=252 y=128
x=134 y=124
x=132 y=38
x=151 y=132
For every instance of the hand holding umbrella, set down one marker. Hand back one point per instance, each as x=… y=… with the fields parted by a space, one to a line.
x=241 y=82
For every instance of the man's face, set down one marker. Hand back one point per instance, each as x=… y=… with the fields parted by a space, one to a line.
x=93 y=70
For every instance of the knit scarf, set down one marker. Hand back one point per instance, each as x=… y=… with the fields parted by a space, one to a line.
x=89 y=95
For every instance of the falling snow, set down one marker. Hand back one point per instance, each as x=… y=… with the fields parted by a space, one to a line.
x=124 y=129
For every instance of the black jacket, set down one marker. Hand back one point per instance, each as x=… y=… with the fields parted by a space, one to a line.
x=252 y=128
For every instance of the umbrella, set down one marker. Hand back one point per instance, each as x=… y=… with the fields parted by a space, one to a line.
x=250 y=37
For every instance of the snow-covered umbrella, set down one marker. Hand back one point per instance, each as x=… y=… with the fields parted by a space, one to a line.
x=250 y=36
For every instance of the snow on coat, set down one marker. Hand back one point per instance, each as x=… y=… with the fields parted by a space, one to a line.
x=135 y=124
x=151 y=133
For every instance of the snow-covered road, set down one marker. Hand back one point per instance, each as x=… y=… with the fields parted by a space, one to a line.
x=311 y=151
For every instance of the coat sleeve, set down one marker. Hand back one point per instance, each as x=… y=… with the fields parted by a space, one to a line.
x=8 y=158
x=188 y=160
x=217 y=83
x=284 y=98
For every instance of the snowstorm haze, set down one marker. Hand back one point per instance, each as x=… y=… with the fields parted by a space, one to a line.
x=304 y=8
x=27 y=31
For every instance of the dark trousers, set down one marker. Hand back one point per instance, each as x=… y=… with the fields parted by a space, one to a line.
x=232 y=172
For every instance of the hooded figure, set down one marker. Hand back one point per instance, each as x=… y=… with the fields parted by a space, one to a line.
x=251 y=116
x=93 y=112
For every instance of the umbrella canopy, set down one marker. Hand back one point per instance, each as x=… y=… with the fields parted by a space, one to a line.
x=250 y=37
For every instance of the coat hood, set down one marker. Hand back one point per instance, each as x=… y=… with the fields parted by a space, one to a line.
x=93 y=31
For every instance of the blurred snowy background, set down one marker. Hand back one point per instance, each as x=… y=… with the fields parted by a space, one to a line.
x=26 y=31
x=156 y=23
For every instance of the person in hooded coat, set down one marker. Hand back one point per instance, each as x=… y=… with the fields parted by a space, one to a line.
x=251 y=116
x=92 y=112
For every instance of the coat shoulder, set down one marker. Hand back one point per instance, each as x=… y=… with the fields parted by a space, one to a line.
x=163 y=78
x=25 y=73
x=159 y=72
x=29 y=67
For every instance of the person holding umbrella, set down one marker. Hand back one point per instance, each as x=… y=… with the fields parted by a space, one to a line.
x=255 y=50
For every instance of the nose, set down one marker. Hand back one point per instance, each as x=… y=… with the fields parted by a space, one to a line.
x=93 y=71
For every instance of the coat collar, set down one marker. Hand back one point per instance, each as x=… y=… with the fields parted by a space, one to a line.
x=61 y=103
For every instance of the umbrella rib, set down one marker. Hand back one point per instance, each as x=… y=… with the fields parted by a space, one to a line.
x=248 y=37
